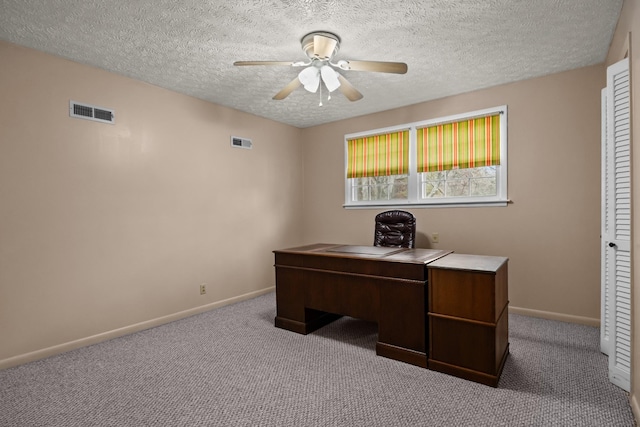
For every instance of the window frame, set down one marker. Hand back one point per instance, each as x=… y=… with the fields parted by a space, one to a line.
x=414 y=197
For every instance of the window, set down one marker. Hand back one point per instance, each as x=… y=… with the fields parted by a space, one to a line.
x=378 y=166
x=450 y=161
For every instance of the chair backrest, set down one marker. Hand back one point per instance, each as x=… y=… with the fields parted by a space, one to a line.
x=395 y=229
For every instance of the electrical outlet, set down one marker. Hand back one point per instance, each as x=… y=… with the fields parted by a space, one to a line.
x=203 y=289
x=435 y=237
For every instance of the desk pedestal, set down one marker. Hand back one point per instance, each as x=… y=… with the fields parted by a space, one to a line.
x=468 y=317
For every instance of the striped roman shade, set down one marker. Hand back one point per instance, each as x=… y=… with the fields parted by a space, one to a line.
x=468 y=143
x=378 y=155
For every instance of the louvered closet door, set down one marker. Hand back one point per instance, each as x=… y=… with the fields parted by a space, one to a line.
x=606 y=234
x=616 y=219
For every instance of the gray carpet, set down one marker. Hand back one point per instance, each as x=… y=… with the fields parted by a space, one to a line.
x=232 y=367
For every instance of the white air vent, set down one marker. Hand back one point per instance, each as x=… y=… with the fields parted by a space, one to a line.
x=241 y=142
x=91 y=112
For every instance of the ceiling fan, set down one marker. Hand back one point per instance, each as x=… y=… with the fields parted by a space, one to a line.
x=320 y=48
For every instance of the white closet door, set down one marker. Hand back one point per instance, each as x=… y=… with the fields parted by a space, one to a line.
x=617 y=224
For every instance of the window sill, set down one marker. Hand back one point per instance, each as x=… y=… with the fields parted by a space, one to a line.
x=443 y=204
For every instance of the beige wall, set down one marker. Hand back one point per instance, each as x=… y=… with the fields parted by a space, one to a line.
x=107 y=226
x=551 y=231
x=626 y=41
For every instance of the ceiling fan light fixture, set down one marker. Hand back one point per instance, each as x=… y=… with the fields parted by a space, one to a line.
x=310 y=79
x=320 y=48
x=330 y=78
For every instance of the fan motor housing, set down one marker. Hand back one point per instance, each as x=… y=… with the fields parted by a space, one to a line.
x=308 y=43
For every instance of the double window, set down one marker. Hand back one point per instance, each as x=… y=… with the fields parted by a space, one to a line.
x=450 y=161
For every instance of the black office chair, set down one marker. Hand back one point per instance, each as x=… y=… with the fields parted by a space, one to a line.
x=395 y=229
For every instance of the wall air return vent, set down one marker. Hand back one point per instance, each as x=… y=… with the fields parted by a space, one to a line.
x=241 y=142
x=91 y=112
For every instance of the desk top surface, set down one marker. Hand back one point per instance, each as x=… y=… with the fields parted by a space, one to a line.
x=402 y=255
x=480 y=263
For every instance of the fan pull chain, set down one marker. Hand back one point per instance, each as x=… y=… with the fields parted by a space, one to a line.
x=328 y=96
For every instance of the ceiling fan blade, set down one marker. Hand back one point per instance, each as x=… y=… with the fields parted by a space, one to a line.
x=242 y=63
x=293 y=85
x=378 y=66
x=348 y=90
x=323 y=47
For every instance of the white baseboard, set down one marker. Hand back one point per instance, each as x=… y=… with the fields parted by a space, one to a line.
x=94 y=339
x=555 y=316
x=635 y=408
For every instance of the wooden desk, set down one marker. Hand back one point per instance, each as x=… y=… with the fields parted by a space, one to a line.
x=319 y=283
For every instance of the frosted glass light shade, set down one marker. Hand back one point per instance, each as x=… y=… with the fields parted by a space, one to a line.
x=310 y=78
x=330 y=78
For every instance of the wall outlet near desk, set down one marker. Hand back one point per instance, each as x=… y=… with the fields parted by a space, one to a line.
x=435 y=237
x=203 y=289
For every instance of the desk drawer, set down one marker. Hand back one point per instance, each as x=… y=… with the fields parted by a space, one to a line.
x=468 y=344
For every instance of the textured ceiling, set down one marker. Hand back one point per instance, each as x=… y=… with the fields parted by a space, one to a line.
x=189 y=46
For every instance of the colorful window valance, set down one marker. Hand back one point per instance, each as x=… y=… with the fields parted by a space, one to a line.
x=468 y=143
x=378 y=155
